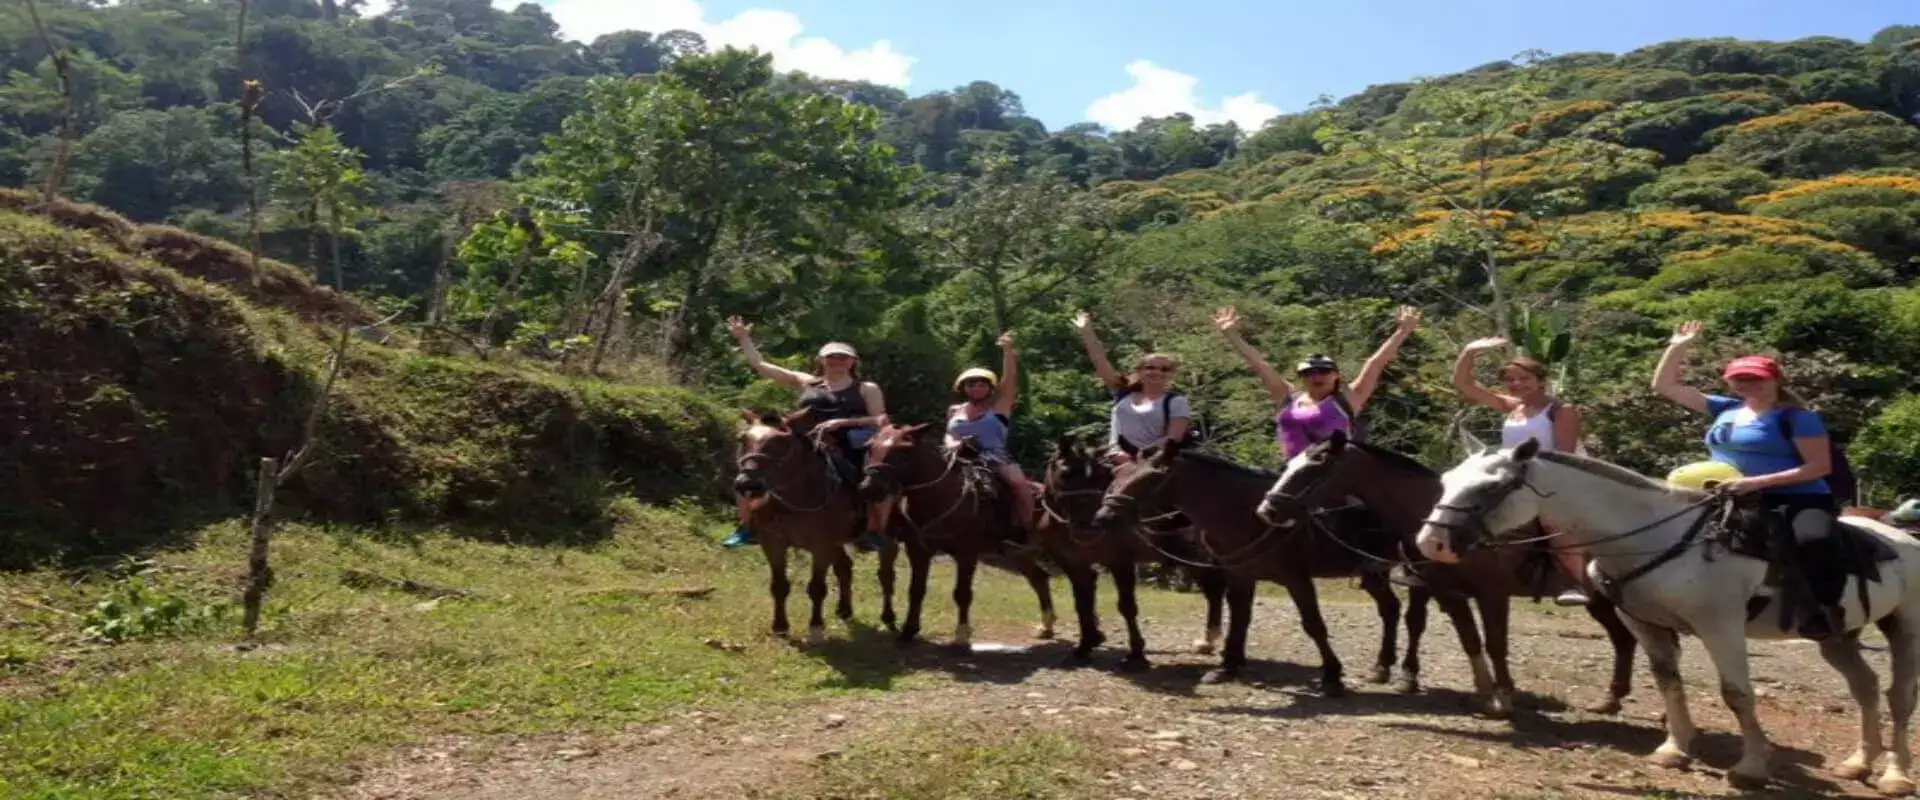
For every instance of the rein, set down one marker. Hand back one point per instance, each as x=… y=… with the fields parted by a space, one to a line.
x=748 y=461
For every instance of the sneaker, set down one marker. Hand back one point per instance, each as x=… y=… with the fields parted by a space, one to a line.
x=1571 y=597
x=869 y=542
x=741 y=537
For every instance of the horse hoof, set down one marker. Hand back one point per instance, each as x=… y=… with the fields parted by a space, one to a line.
x=1853 y=771
x=1670 y=759
x=1746 y=782
x=844 y=613
x=1608 y=706
x=1407 y=685
x=1895 y=786
x=816 y=636
x=1222 y=675
x=780 y=632
x=1134 y=664
x=1043 y=633
x=1202 y=647
x=1379 y=674
x=1333 y=689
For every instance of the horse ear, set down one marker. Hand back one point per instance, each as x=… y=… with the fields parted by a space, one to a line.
x=1065 y=448
x=1338 y=441
x=1527 y=449
x=1470 y=442
x=1166 y=454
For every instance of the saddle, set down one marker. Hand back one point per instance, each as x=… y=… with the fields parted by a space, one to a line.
x=1747 y=527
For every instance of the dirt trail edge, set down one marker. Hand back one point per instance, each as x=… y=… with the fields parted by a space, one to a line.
x=1163 y=734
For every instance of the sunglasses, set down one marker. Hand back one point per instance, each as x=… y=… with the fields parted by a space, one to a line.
x=1312 y=372
x=1156 y=368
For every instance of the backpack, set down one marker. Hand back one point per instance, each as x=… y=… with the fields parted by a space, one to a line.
x=1840 y=479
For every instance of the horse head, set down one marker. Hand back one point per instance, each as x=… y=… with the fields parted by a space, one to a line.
x=1479 y=498
x=1134 y=484
x=1073 y=472
x=767 y=442
x=1309 y=476
x=890 y=459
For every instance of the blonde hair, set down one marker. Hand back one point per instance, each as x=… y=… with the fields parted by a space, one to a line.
x=1531 y=366
x=1133 y=377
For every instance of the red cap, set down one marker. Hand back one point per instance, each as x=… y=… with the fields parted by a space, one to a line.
x=1752 y=367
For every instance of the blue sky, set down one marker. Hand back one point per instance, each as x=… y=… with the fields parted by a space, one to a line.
x=1223 y=59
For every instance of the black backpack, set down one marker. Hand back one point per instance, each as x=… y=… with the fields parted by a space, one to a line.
x=1840 y=479
x=1356 y=424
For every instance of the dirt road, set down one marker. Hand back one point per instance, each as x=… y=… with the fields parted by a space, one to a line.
x=1016 y=723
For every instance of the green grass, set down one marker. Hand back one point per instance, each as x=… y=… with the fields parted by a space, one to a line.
x=548 y=642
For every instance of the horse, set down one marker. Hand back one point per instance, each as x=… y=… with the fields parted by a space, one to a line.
x=797 y=498
x=1400 y=491
x=1656 y=555
x=1220 y=496
x=951 y=504
x=1067 y=534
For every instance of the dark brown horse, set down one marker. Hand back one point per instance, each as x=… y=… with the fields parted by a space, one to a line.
x=950 y=504
x=797 y=498
x=1220 y=497
x=1075 y=482
x=1400 y=491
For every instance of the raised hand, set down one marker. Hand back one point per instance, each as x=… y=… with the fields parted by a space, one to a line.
x=1005 y=341
x=1686 y=333
x=1083 y=320
x=740 y=328
x=1407 y=319
x=1227 y=320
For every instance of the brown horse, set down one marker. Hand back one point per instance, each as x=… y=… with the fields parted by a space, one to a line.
x=1400 y=491
x=1075 y=482
x=797 y=498
x=950 y=504
x=1220 y=497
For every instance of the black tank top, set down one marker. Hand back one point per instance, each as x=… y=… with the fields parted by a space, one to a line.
x=829 y=404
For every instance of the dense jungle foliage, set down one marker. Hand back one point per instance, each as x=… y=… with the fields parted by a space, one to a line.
x=600 y=207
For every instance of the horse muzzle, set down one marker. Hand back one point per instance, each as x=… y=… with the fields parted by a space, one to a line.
x=747 y=485
x=1436 y=543
x=1276 y=511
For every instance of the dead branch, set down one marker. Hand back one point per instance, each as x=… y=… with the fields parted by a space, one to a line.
x=63 y=152
x=363 y=580
x=687 y=592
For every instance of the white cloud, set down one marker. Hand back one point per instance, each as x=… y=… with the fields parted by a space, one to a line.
x=1158 y=92
x=776 y=32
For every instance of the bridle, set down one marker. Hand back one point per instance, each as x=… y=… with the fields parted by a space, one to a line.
x=1473 y=526
x=757 y=462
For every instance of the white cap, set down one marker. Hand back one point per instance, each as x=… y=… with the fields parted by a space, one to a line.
x=838 y=349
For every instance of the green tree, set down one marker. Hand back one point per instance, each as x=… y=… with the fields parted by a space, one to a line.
x=319 y=180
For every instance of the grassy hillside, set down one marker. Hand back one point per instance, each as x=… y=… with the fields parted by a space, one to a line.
x=147 y=372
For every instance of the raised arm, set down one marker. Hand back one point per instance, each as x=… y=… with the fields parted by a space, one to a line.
x=1009 y=376
x=1463 y=375
x=1666 y=376
x=1228 y=321
x=743 y=334
x=1407 y=319
x=1097 y=352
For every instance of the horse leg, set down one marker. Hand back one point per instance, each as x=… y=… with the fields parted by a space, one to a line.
x=1239 y=597
x=1495 y=608
x=1663 y=660
x=889 y=553
x=1454 y=605
x=1042 y=584
x=1213 y=585
x=919 y=563
x=1307 y=601
x=1388 y=604
x=1903 y=642
x=1124 y=585
x=1418 y=598
x=817 y=592
x=1603 y=612
x=1726 y=644
x=843 y=574
x=1843 y=654
x=963 y=566
x=776 y=549
x=1086 y=588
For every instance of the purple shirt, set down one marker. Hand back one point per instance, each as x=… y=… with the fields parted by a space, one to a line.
x=1298 y=427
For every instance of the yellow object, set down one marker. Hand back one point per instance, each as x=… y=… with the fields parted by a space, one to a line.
x=1704 y=475
x=976 y=372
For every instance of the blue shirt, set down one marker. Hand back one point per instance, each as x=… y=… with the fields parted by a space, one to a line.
x=1756 y=446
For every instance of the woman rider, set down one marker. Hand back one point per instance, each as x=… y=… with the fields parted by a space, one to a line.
x=986 y=417
x=1146 y=411
x=1789 y=474
x=851 y=408
x=1528 y=413
x=1327 y=405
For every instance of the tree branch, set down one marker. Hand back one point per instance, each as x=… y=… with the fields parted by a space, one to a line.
x=63 y=152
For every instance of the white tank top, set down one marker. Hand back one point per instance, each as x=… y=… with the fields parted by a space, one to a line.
x=1514 y=433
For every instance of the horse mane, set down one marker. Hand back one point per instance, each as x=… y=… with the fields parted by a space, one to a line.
x=1616 y=473
x=1394 y=458
x=1222 y=462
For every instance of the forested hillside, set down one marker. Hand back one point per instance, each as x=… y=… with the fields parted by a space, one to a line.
x=603 y=206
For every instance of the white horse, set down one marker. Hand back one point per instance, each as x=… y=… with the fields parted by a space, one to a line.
x=1647 y=544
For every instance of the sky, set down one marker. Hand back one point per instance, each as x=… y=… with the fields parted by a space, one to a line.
x=1114 y=61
